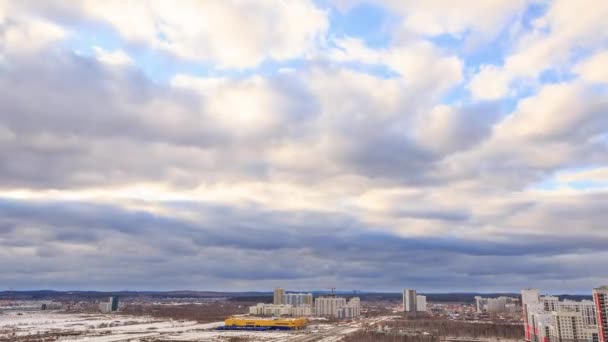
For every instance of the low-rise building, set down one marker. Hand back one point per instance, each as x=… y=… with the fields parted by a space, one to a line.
x=262 y=309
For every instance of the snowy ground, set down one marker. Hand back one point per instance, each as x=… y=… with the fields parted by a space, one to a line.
x=22 y=326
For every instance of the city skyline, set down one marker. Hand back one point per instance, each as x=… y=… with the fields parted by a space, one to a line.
x=445 y=146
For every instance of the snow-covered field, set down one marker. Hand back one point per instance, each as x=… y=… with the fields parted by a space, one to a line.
x=30 y=326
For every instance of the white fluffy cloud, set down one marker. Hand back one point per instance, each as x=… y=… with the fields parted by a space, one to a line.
x=23 y=34
x=490 y=83
x=419 y=62
x=116 y=57
x=594 y=69
x=566 y=28
x=229 y=34
x=482 y=20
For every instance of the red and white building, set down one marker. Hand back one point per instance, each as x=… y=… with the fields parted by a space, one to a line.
x=547 y=319
x=529 y=298
x=600 y=298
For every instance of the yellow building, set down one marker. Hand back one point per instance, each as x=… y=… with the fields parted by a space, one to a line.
x=255 y=323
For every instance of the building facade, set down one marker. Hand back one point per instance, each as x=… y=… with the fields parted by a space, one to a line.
x=105 y=307
x=277 y=310
x=337 y=307
x=297 y=299
x=547 y=319
x=279 y=296
x=352 y=309
x=109 y=306
x=328 y=306
x=600 y=299
x=420 y=303
x=497 y=305
x=409 y=300
x=529 y=297
x=114 y=303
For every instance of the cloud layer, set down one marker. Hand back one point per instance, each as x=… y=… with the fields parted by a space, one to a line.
x=242 y=145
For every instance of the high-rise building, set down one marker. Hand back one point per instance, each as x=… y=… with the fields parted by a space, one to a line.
x=105 y=307
x=279 y=296
x=114 y=303
x=528 y=297
x=297 y=299
x=543 y=323
x=585 y=307
x=420 y=303
x=567 y=326
x=308 y=299
x=547 y=319
x=409 y=300
x=550 y=303
x=497 y=305
x=109 y=306
x=479 y=303
x=600 y=298
x=328 y=306
x=352 y=309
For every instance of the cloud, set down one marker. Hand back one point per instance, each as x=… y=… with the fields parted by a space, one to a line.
x=555 y=39
x=593 y=69
x=454 y=18
x=490 y=83
x=419 y=62
x=152 y=146
x=24 y=34
x=327 y=247
x=230 y=34
x=447 y=129
x=117 y=57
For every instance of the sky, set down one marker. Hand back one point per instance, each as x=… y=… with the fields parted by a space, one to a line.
x=240 y=145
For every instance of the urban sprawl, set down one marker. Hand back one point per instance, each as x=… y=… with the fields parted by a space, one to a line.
x=295 y=316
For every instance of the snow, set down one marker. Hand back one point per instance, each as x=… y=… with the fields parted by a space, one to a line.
x=119 y=328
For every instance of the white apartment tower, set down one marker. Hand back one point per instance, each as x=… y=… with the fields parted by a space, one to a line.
x=279 y=296
x=479 y=302
x=328 y=306
x=600 y=298
x=297 y=299
x=409 y=300
x=352 y=309
x=497 y=305
x=420 y=303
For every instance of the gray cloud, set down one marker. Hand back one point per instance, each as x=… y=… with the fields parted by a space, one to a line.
x=253 y=244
